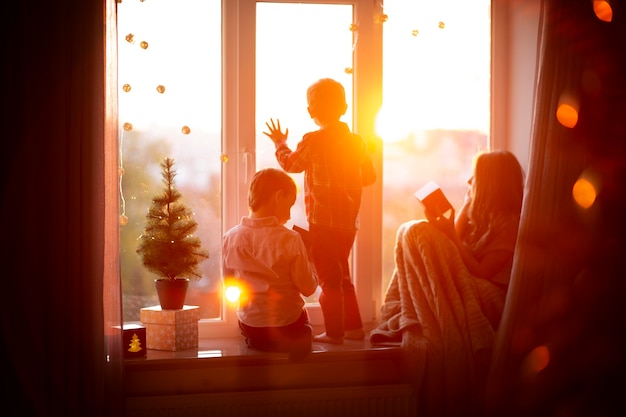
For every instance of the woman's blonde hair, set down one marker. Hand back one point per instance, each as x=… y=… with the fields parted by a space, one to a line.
x=499 y=186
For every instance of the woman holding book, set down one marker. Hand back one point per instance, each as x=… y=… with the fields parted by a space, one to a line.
x=447 y=292
x=485 y=229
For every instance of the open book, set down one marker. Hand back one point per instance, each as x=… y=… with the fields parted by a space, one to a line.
x=433 y=199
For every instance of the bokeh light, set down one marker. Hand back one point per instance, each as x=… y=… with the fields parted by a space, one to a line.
x=584 y=193
x=536 y=361
x=567 y=115
x=603 y=10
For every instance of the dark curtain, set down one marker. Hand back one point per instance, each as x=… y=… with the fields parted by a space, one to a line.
x=561 y=346
x=56 y=126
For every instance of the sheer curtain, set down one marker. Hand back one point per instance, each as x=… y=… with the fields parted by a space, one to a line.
x=561 y=344
x=55 y=230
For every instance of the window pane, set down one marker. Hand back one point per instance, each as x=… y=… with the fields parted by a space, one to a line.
x=170 y=91
x=436 y=104
x=292 y=53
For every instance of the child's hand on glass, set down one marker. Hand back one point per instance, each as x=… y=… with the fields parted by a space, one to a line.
x=275 y=133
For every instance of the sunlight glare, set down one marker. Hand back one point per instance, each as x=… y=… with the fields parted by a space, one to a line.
x=232 y=293
x=391 y=128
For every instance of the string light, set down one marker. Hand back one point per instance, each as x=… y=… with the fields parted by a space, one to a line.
x=128 y=126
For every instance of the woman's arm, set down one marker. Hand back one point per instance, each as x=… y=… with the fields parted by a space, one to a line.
x=488 y=266
x=454 y=228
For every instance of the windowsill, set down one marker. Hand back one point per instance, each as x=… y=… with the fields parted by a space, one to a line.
x=231 y=348
x=228 y=365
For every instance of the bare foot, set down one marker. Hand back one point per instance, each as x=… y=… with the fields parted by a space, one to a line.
x=356 y=334
x=322 y=338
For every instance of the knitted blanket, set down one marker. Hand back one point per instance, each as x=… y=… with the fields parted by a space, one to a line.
x=443 y=317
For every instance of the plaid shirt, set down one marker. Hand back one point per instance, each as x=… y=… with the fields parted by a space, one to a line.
x=336 y=166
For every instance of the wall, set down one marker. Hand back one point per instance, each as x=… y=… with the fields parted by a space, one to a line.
x=515 y=33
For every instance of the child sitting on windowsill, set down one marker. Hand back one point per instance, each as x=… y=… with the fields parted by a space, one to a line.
x=271 y=266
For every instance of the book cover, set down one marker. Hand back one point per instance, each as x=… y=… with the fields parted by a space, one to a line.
x=433 y=198
x=304 y=234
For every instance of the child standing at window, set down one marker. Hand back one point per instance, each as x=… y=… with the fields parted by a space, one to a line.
x=336 y=166
x=271 y=266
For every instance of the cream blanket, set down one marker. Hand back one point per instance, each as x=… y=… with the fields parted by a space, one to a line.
x=444 y=319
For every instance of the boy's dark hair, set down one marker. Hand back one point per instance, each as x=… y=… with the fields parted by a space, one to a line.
x=265 y=183
x=326 y=99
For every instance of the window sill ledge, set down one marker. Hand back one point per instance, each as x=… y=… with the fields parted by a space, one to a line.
x=228 y=365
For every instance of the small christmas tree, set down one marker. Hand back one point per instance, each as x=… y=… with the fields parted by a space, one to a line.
x=167 y=246
x=135 y=344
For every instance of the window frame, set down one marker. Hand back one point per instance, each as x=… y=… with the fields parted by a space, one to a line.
x=238 y=140
x=238 y=130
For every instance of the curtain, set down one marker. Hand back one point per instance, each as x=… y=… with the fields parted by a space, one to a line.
x=59 y=242
x=561 y=345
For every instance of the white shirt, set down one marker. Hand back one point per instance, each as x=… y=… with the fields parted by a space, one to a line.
x=271 y=265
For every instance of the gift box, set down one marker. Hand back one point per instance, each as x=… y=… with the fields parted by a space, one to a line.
x=171 y=329
x=134 y=337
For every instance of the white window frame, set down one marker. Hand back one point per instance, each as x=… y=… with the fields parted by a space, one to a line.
x=238 y=141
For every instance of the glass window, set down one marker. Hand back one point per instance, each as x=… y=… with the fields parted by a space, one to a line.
x=435 y=115
x=291 y=54
x=436 y=104
x=169 y=66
